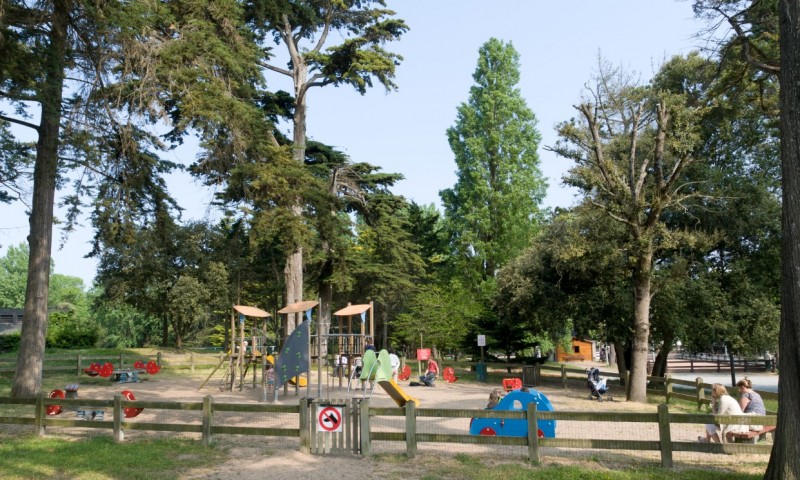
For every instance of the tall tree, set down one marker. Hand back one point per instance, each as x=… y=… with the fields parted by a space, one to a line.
x=767 y=43
x=96 y=73
x=356 y=61
x=784 y=463
x=493 y=209
x=631 y=146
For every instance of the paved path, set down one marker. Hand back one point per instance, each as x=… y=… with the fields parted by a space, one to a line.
x=767 y=382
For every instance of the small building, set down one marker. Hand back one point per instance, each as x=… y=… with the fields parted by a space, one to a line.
x=10 y=320
x=581 y=351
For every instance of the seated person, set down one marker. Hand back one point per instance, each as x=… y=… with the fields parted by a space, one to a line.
x=431 y=375
x=722 y=404
x=750 y=401
x=494 y=398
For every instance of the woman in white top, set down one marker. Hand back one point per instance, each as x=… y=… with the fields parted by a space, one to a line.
x=722 y=404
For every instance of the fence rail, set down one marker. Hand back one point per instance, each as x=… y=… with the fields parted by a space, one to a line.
x=77 y=362
x=700 y=391
x=300 y=423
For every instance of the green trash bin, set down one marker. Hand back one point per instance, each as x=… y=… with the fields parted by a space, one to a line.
x=480 y=370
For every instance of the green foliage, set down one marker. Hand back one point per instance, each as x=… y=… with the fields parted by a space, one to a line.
x=439 y=316
x=124 y=326
x=66 y=330
x=9 y=342
x=493 y=209
x=356 y=61
x=14 y=276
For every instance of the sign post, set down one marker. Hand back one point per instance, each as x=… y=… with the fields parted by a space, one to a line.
x=480 y=369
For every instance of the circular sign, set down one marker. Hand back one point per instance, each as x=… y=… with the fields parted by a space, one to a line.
x=330 y=419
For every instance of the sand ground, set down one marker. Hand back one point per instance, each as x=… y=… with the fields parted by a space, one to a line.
x=278 y=458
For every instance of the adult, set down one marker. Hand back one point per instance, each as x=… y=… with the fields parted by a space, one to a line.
x=394 y=361
x=722 y=404
x=431 y=374
x=341 y=365
x=750 y=401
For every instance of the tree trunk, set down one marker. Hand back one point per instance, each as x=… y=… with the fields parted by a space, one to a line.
x=637 y=391
x=293 y=272
x=622 y=366
x=784 y=463
x=660 y=364
x=28 y=375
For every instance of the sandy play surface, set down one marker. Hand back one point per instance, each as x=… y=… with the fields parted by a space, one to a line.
x=278 y=458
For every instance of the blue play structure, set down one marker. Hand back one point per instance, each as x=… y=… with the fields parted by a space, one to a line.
x=516 y=400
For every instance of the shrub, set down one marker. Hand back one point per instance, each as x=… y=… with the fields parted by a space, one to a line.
x=9 y=342
x=65 y=330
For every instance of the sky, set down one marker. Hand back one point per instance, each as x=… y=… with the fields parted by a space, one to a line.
x=404 y=131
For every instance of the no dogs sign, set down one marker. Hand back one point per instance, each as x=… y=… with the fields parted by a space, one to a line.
x=329 y=418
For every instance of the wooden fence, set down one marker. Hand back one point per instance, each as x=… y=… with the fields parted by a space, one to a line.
x=663 y=418
x=76 y=363
x=303 y=425
x=671 y=388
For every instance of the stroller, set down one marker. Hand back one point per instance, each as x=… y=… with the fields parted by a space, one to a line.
x=597 y=385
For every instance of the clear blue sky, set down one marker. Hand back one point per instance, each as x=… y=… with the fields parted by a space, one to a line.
x=404 y=131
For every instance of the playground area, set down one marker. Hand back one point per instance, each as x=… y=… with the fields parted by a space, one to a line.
x=251 y=458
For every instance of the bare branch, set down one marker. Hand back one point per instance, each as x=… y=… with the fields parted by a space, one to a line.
x=282 y=71
x=19 y=122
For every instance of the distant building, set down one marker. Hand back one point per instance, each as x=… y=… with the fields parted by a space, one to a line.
x=10 y=320
x=581 y=351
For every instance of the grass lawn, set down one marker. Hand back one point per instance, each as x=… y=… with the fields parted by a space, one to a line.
x=29 y=457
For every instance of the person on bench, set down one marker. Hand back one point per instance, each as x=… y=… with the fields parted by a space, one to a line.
x=750 y=401
x=722 y=404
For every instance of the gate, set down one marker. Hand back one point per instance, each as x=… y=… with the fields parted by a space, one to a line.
x=333 y=426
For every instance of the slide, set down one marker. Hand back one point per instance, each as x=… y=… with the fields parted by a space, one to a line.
x=383 y=376
x=397 y=394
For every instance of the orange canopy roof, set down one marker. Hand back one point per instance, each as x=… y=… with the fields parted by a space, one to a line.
x=352 y=310
x=251 y=311
x=298 y=307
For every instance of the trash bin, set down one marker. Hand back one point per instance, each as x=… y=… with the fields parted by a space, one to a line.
x=530 y=375
x=480 y=370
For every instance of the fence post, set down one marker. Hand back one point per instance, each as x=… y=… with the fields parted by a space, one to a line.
x=191 y=361
x=38 y=420
x=533 y=433
x=667 y=387
x=365 y=438
x=158 y=359
x=664 y=436
x=701 y=393
x=208 y=412
x=121 y=362
x=305 y=441
x=119 y=435
x=411 y=429
x=563 y=376
x=79 y=365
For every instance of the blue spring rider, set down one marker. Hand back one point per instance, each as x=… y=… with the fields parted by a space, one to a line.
x=516 y=400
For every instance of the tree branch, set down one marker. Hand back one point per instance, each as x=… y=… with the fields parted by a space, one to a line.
x=19 y=122
x=282 y=71
x=747 y=46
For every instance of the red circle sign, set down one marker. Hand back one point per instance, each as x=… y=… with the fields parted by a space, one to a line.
x=330 y=419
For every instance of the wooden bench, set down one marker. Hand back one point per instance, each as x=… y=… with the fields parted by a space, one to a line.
x=753 y=436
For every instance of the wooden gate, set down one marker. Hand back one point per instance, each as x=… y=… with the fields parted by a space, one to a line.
x=334 y=426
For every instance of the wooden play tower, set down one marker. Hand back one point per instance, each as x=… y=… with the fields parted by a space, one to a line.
x=351 y=330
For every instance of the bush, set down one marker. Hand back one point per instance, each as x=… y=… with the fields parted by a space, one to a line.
x=9 y=342
x=67 y=331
